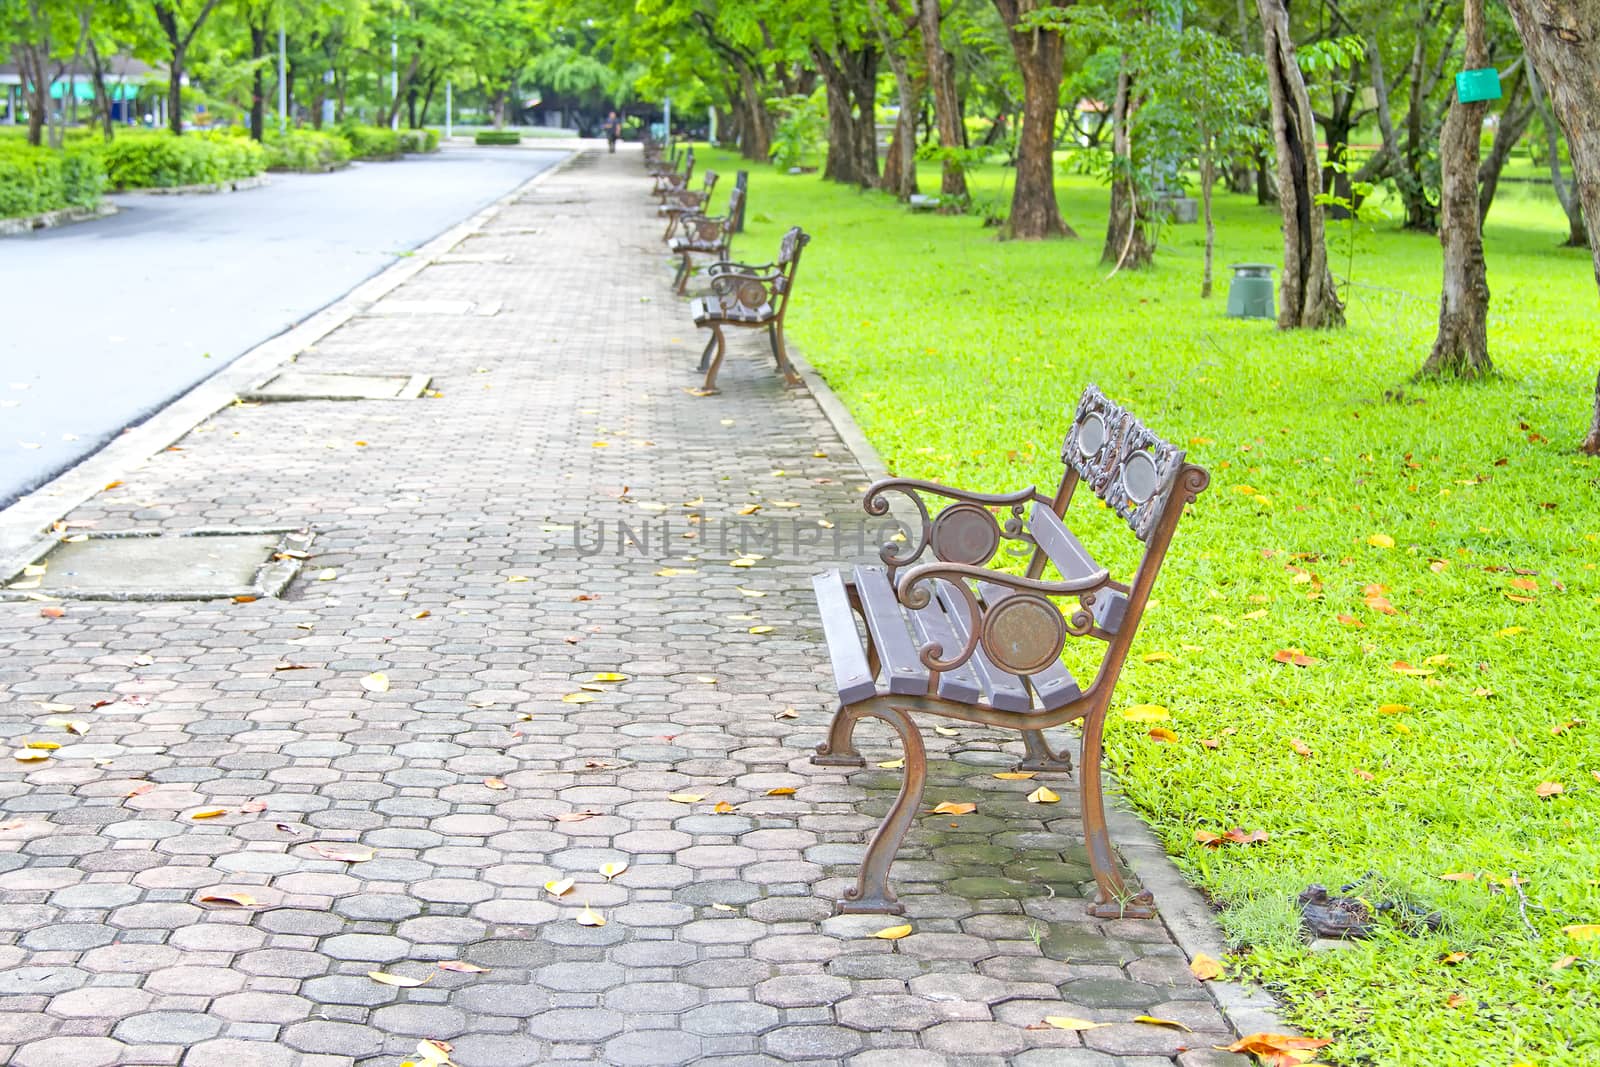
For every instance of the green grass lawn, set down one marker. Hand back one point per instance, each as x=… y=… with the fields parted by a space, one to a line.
x=962 y=356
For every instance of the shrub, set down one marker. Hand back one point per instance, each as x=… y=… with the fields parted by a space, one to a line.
x=423 y=140
x=309 y=151
x=161 y=160
x=497 y=137
x=33 y=180
x=371 y=142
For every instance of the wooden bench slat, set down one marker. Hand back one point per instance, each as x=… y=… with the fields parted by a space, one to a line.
x=849 y=658
x=1074 y=561
x=1005 y=691
x=1054 y=685
x=899 y=658
x=931 y=625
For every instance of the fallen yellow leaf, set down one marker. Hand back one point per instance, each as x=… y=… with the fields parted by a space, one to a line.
x=781 y=791
x=611 y=870
x=1582 y=931
x=1151 y=1020
x=208 y=813
x=1067 y=1022
x=1042 y=795
x=398 y=979
x=686 y=798
x=1015 y=776
x=590 y=917
x=610 y=676
x=462 y=966
x=1381 y=540
x=893 y=764
x=893 y=933
x=495 y=783
x=951 y=807
x=761 y=629
x=559 y=887
x=242 y=900
x=1205 y=967
x=376 y=682
x=578 y=698
x=1146 y=713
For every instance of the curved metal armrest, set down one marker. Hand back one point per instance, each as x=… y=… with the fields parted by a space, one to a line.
x=761 y=272
x=911 y=592
x=915 y=598
x=876 y=502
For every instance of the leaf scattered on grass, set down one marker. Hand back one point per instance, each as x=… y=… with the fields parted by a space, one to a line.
x=1146 y=713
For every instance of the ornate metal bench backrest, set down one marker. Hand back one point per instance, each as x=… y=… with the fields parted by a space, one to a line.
x=794 y=242
x=741 y=182
x=1121 y=461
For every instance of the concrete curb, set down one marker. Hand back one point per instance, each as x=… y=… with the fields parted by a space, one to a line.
x=49 y=220
x=1181 y=908
x=26 y=520
x=235 y=185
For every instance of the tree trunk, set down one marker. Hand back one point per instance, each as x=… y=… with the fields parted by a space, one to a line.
x=1307 y=295
x=1128 y=241
x=1208 y=178
x=946 y=110
x=34 y=61
x=1034 y=214
x=1462 y=347
x=756 y=144
x=102 y=95
x=1562 y=38
x=900 y=166
x=175 y=93
x=840 y=165
x=1577 y=231
x=1512 y=125
x=258 y=83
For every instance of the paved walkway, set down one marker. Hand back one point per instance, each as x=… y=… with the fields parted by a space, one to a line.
x=445 y=560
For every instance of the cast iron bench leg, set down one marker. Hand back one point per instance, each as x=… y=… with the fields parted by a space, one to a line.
x=684 y=270
x=705 y=357
x=871 y=893
x=1114 y=900
x=781 y=353
x=1040 y=756
x=710 y=385
x=839 y=750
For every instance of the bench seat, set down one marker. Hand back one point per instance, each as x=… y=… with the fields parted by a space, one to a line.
x=703 y=310
x=898 y=633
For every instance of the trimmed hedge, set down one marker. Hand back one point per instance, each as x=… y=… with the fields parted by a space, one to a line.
x=35 y=180
x=309 y=151
x=160 y=160
x=371 y=142
x=497 y=137
x=423 y=140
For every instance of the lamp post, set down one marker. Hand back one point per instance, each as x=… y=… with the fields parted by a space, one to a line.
x=283 y=81
x=449 y=112
x=394 y=80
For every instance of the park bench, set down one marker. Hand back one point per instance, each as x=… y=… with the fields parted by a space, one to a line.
x=951 y=637
x=660 y=158
x=752 y=297
x=686 y=202
x=705 y=235
x=673 y=181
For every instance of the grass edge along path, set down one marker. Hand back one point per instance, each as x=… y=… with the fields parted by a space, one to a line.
x=1427 y=551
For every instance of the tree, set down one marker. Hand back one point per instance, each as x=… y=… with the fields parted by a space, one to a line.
x=1562 y=38
x=1461 y=348
x=897 y=34
x=39 y=32
x=1577 y=229
x=946 y=109
x=1307 y=295
x=1035 y=32
x=171 y=16
x=1226 y=93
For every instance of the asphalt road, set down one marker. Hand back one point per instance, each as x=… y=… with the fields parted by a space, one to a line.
x=103 y=323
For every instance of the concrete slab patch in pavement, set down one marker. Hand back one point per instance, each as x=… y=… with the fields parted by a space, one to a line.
x=199 y=565
x=295 y=384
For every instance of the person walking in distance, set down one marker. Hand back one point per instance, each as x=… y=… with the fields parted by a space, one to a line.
x=613 y=129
